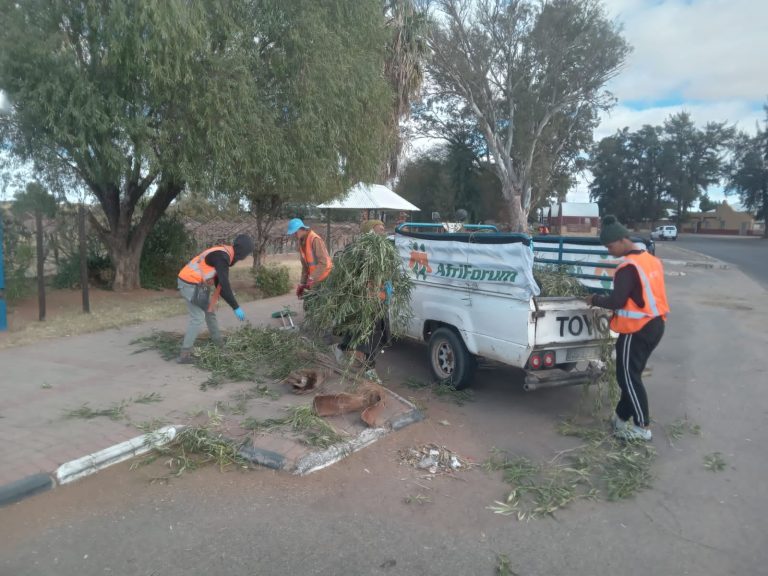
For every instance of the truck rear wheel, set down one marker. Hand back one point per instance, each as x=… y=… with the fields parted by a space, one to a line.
x=449 y=359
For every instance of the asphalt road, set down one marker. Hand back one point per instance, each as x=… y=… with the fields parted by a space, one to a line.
x=373 y=515
x=750 y=254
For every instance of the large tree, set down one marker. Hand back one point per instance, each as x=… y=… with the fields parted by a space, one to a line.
x=406 y=51
x=530 y=74
x=693 y=158
x=748 y=172
x=614 y=178
x=321 y=122
x=137 y=99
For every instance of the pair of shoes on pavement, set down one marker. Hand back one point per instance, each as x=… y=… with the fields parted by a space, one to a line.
x=629 y=430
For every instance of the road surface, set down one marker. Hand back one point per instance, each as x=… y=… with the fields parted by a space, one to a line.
x=372 y=515
x=750 y=254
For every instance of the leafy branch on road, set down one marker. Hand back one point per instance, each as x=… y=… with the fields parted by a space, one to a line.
x=602 y=467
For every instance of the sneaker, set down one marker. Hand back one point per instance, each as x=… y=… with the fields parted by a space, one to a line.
x=618 y=423
x=634 y=433
x=338 y=354
x=371 y=375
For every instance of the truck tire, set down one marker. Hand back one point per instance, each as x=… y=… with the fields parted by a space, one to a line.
x=450 y=361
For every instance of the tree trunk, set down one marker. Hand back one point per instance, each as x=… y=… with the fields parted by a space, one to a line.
x=518 y=218
x=126 y=263
x=40 y=265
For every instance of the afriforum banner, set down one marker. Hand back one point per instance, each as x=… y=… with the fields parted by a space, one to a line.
x=502 y=268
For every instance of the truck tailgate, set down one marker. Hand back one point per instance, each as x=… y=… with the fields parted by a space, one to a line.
x=568 y=321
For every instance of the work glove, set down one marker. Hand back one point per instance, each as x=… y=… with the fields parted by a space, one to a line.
x=389 y=290
x=240 y=314
x=300 y=290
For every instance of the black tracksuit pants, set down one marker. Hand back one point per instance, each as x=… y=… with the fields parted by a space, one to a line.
x=632 y=353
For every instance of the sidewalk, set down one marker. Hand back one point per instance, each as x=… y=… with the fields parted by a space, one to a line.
x=39 y=383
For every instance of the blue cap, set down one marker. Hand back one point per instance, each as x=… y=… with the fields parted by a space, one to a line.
x=294 y=226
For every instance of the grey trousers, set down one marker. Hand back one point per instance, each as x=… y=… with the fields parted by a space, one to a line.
x=196 y=318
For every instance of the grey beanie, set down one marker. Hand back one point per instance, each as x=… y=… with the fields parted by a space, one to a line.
x=612 y=230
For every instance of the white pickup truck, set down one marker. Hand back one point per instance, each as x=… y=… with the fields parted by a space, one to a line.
x=474 y=296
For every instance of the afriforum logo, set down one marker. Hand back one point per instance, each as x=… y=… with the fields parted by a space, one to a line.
x=469 y=272
x=418 y=263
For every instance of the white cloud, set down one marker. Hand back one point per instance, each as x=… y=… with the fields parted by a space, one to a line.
x=695 y=49
x=738 y=112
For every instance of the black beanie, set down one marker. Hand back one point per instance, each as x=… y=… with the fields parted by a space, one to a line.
x=612 y=230
x=243 y=247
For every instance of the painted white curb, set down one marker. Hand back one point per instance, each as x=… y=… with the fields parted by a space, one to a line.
x=319 y=460
x=76 y=469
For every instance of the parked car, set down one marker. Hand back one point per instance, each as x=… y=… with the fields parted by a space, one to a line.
x=665 y=233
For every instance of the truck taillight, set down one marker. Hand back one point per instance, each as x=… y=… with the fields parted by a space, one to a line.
x=534 y=362
x=549 y=359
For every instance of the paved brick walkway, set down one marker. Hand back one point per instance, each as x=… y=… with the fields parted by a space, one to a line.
x=40 y=382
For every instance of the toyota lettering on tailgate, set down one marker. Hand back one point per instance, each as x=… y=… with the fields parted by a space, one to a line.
x=594 y=325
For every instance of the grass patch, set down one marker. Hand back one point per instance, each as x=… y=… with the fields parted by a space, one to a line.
x=503 y=566
x=85 y=412
x=115 y=412
x=115 y=314
x=460 y=397
x=714 y=462
x=444 y=391
x=150 y=398
x=195 y=447
x=417 y=499
x=681 y=427
x=602 y=467
x=312 y=429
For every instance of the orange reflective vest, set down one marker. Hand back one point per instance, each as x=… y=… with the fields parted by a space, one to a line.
x=308 y=257
x=197 y=271
x=632 y=317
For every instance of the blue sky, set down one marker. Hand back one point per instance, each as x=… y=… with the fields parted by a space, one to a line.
x=707 y=57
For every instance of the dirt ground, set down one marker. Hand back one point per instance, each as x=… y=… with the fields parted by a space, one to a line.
x=110 y=309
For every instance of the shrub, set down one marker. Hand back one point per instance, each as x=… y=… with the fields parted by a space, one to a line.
x=272 y=280
x=18 y=255
x=167 y=249
x=68 y=272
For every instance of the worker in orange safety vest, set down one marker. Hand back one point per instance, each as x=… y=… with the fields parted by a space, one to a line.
x=210 y=270
x=316 y=264
x=639 y=304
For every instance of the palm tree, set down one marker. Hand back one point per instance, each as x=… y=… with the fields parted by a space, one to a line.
x=403 y=68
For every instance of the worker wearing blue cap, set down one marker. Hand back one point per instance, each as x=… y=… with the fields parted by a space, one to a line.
x=316 y=264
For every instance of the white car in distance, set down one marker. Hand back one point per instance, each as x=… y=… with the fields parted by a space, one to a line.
x=665 y=233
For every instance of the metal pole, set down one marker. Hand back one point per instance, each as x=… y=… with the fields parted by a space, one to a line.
x=83 y=258
x=3 y=309
x=40 y=270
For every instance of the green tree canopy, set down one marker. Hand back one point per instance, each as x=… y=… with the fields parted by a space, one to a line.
x=531 y=75
x=320 y=120
x=135 y=98
x=748 y=171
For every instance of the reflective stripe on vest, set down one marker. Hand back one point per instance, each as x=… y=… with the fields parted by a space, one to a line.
x=308 y=256
x=197 y=271
x=632 y=317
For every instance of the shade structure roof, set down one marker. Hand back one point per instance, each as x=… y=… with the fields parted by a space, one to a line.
x=370 y=197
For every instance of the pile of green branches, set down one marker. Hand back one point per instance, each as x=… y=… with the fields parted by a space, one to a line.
x=247 y=353
x=558 y=281
x=348 y=302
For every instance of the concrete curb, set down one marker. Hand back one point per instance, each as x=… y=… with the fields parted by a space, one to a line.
x=29 y=486
x=696 y=264
x=318 y=460
x=92 y=463
x=87 y=465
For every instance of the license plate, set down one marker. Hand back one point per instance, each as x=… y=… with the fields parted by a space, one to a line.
x=575 y=354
